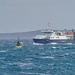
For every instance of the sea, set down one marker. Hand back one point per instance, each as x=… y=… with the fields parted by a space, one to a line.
x=36 y=59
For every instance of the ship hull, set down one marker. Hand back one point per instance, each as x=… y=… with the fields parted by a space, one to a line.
x=45 y=41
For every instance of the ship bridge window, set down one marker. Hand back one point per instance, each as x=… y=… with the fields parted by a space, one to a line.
x=58 y=33
x=51 y=37
x=57 y=37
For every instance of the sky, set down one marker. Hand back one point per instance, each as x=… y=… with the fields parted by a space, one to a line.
x=30 y=15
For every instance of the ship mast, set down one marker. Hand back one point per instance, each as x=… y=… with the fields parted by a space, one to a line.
x=48 y=26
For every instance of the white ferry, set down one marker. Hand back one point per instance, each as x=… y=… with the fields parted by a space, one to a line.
x=48 y=36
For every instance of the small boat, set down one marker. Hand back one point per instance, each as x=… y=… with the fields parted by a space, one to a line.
x=18 y=45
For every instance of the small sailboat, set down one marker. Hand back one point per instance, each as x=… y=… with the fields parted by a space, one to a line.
x=18 y=45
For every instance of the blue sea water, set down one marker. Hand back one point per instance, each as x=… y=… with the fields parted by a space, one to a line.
x=31 y=59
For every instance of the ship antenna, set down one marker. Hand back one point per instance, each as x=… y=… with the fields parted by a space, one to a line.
x=48 y=26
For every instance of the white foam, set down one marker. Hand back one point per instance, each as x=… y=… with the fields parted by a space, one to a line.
x=3 y=51
x=47 y=57
x=29 y=73
x=54 y=47
x=54 y=43
x=69 y=43
x=22 y=43
x=24 y=64
x=37 y=44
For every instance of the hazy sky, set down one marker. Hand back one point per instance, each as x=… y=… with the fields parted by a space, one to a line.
x=29 y=15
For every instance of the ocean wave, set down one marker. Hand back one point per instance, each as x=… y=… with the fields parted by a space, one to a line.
x=47 y=57
x=2 y=57
x=3 y=51
x=54 y=43
x=19 y=64
x=30 y=73
x=54 y=47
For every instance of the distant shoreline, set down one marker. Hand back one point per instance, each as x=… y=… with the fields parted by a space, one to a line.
x=23 y=35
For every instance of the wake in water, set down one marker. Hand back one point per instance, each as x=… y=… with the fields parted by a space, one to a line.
x=54 y=44
x=38 y=44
